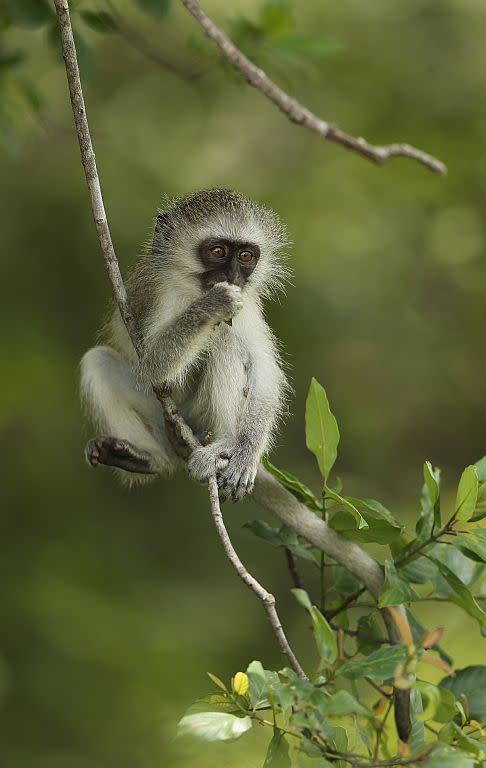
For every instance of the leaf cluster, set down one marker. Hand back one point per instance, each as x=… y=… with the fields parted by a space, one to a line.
x=328 y=719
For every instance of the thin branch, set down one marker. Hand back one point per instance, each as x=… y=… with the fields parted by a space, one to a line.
x=294 y=110
x=293 y=570
x=345 y=604
x=170 y=409
x=267 y=599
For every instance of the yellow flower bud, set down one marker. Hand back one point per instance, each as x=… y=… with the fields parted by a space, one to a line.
x=240 y=683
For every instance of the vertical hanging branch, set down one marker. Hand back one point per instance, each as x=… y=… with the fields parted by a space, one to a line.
x=171 y=413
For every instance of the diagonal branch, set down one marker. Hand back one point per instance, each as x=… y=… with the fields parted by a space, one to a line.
x=170 y=409
x=295 y=111
x=277 y=500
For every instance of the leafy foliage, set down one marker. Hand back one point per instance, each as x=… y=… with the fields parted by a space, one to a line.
x=328 y=722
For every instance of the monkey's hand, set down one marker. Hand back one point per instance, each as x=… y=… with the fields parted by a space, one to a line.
x=223 y=301
x=234 y=464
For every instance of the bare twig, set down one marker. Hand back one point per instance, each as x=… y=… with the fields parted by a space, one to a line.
x=170 y=409
x=295 y=111
x=267 y=599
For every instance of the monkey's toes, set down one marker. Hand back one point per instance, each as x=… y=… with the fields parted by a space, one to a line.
x=236 y=486
x=92 y=453
x=101 y=450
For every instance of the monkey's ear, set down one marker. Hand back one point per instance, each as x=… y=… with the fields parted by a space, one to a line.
x=162 y=231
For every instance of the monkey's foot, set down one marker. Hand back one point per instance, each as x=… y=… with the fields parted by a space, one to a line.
x=114 y=452
x=237 y=479
x=207 y=460
x=235 y=469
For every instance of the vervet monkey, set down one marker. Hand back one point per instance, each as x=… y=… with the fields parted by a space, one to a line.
x=196 y=297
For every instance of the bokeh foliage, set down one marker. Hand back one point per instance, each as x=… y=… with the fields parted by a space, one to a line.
x=112 y=603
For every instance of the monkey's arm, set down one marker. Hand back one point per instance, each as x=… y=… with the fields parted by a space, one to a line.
x=169 y=350
x=235 y=457
x=260 y=410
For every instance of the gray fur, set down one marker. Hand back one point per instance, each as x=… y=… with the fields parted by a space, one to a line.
x=227 y=380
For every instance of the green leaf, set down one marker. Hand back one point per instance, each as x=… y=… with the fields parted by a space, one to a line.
x=342 y=580
x=157 y=8
x=460 y=595
x=348 y=505
x=480 y=511
x=458 y=563
x=302 y=598
x=447 y=709
x=395 y=591
x=280 y=537
x=419 y=571
x=294 y=485
x=213 y=726
x=100 y=21
x=480 y=533
x=321 y=429
x=470 y=682
x=430 y=700
x=481 y=469
x=264 y=531
x=278 y=752
x=448 y=757
x=431 y=478
x=376 y=509
x=324 y=636
x=467 y=493
x=452 y=734
x=213 y=702
x=341 y=704
x=473 y=549
x=28 y=13
x=262 y=684
x=417 y=734
x=380 y=665
x=378 y=531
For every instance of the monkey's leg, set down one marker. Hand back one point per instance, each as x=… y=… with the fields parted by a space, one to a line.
x=131 y=419
x=114 y=452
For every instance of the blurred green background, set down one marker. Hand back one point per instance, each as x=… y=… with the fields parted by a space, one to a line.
x=115 y=603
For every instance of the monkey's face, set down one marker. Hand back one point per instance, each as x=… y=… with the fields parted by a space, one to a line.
x=230 y=261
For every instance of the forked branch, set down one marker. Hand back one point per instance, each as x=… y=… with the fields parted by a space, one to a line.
x=294 y=110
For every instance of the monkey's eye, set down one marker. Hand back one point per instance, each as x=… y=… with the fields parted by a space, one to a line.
x=218 y=251
x=245 y=257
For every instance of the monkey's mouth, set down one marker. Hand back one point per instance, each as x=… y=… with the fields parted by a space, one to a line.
x=209 y=279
